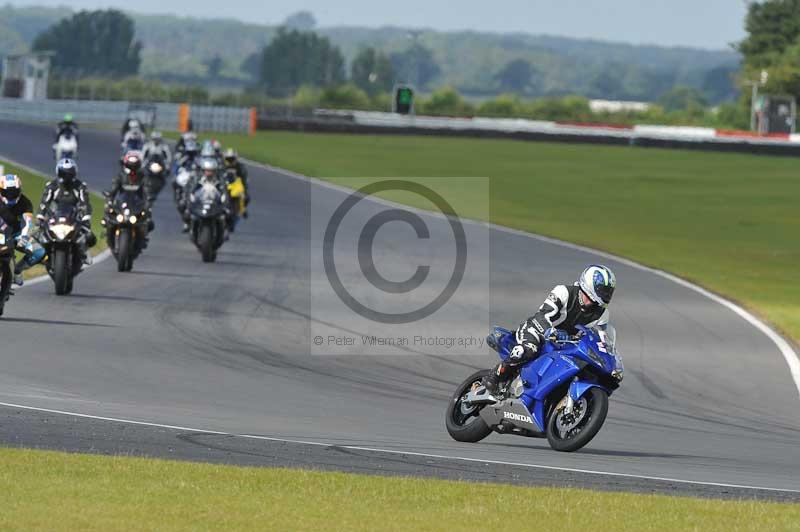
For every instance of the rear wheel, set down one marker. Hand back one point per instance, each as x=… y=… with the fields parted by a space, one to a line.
x=570 y=432
x=61 y=272
x=205 y=241
x=462 y=420
x=123 y=247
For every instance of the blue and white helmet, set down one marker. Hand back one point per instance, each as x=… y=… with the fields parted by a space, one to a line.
x=598 y=282
x=10 y=189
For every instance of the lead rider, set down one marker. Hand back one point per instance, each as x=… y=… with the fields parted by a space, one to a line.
x=584 y=303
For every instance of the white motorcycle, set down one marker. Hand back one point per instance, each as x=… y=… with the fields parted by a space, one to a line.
x=66 y=147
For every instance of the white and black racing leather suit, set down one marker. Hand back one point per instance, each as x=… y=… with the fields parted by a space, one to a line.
x=561 y=310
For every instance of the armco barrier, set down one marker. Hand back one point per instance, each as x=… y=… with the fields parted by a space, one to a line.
x=168 y=115
x=368 y=122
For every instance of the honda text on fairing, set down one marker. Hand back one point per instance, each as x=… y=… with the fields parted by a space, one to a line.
x=63 y=241
x=126 y=223
x=561 y=395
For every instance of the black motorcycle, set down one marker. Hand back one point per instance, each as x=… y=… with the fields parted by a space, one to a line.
x=126 y=223
x=63 y=240
x=7 y=246
x=155 y=176
x=207 y=217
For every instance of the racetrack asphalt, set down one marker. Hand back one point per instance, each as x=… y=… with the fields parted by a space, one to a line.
x=707 y=403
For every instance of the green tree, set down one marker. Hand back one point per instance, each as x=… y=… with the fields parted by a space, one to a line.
x=416 y=65
x=372 y=72
x=93 y=42
x=214 y=65
x=517 y=76
x=772 y=26
x=295 y=58
x=682 y=99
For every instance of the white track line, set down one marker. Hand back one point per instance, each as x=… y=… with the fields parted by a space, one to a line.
x=100 y=257
x=397 y=452
x=788 y=352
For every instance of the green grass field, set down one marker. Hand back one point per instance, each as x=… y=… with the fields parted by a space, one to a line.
x=32 y=186
x=728 y=222
x=45 y=490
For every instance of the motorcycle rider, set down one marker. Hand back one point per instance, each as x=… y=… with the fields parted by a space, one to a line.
x=16 y=210
x=584 y=303
x=67 y=125
x=157 y=146
x=133 y=140
x=232 y=162
x=130 y=124
x=66 y=187
x=186 y=136
x=131 y=174
x=209 y=173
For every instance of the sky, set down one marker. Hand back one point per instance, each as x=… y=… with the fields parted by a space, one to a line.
x=712 y=24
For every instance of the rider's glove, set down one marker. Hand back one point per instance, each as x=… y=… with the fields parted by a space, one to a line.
x=556 y=335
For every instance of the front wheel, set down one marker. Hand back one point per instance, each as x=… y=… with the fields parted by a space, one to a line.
x=123 y=247
x=205 y=241
x=61 y=275
x=463 y=421
x=570 y=432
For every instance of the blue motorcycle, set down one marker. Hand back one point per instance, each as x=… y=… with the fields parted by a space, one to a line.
x=562 y=395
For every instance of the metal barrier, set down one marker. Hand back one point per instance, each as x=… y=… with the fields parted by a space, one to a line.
x=167 y=115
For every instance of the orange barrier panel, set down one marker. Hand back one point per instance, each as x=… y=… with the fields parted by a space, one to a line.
x=253 y=120
x=183 y=117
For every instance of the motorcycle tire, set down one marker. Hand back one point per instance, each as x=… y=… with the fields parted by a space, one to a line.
x=590 y=425
x=468 y=429
x=123 y=247
x=61 y=272
x=205 y=241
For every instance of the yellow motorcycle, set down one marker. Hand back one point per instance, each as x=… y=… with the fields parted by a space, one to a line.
x=236 y=193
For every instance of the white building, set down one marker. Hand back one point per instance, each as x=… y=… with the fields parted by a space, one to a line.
x=25 y=76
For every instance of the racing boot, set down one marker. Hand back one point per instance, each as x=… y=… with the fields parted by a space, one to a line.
x=500 y=374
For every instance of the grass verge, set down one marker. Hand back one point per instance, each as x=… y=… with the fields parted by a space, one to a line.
x=44 y=490
x=32 y=186
x=726 y=221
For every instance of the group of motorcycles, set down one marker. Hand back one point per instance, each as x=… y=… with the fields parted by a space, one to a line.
x=212 y=205
x=210 y=198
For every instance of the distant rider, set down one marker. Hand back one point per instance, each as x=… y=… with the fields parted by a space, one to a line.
x=130 y=124
x=67 y=188
x=232 y=162
x=133 y=141
x=157 y=146
x=584 y=303
x=186 y=136
x=16 y=210
x=67 y=125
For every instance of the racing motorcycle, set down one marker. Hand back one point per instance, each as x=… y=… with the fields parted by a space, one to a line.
x=67 y=146
x=63 y=240
x=238 y=207
x=207 y=219
x=562 y=395
x=126 y=223
x=7 y=246
x=155 y=176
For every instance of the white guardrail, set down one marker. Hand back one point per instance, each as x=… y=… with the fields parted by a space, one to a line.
x=168 y=115
x=520 y=125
